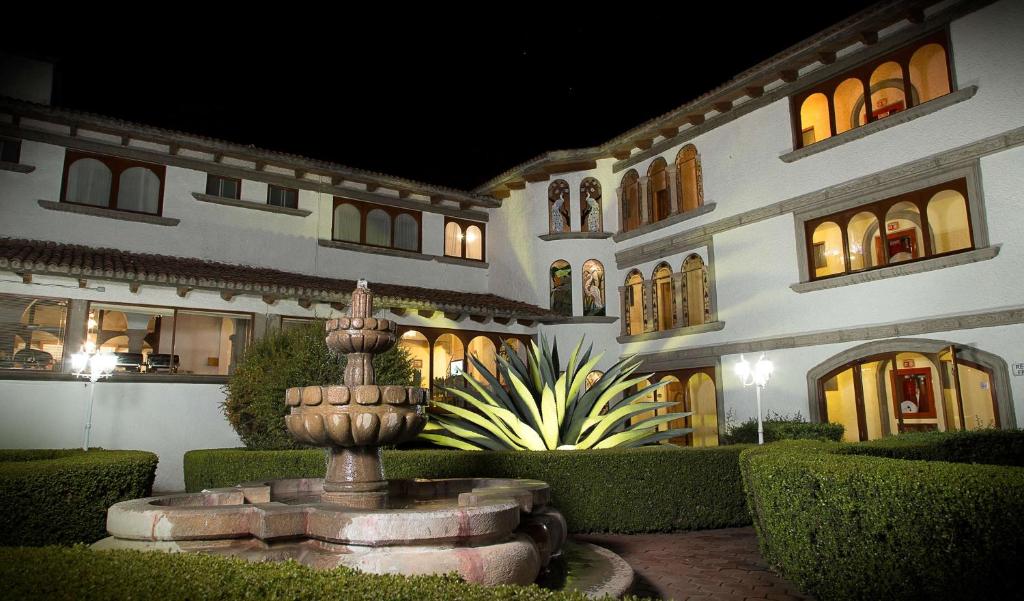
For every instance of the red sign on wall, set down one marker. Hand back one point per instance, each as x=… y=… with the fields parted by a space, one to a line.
x=892 y=226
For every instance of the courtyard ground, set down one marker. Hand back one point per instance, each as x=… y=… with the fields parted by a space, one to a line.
x=713 y=565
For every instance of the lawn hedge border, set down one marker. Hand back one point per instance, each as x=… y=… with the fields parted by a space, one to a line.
x=61 y=496
x=79 y=573
x=649 y=489
x=861 y=522
x=783 y=429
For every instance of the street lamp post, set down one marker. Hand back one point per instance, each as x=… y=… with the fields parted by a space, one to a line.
x=758 y=377
x=93 y=365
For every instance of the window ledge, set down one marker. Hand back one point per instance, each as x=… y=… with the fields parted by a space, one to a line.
x=583 y=319
x=461 y=261
x=576 y=236
x=108 y=213
x=154 y=378
x=248 y=204
x=882 y=273
x=373 y=250
x=668 y=221
x=16 y=167
x=713 y=326
x=936 y=104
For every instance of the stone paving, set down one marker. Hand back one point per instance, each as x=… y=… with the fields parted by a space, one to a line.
x=712 y=565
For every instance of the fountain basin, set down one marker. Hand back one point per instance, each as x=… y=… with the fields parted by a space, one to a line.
x=489 y=531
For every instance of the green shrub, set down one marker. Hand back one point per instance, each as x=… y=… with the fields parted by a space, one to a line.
x=995 y=447
x=649 y=489
x=254 y=403
x=61 y=496
x=841 y=524
x=81 y=574
x=782 y=427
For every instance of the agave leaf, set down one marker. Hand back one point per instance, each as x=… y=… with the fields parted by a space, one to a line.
x=535 y=367
x=448 y=441
x=620 y=386
x=531 y=440
x=526 y=398
x=613 y=418
x=660 y=405
x=556 y=366
x=583 y=406
x=514 y=359
x=502 y=419
x=549 y=416
x=560 y=399
x=658 y=436
x=570 y=368
x=544 y=362
x=481 y=421
x=494 y=391
x=647 y=435
x=471 y=434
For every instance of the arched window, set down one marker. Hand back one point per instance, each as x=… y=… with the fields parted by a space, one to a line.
x=659 y=204
x=815 y=124
x=634 y=303
x=453 y=239
x=593 y=288
x=664 y=299
x=887 y=90
x=378 y=228
x=948 y=222
x=407 y=232
x=347 y=223
x=590 y=206
x=697 y=299
x=701 y=400
x=418 y=347
x=903 y=232
x=827 y=246
x=691 y=184
x=929 y=72
x=138 y=190
x=864 y=241
x=485 y=352
x=89 y=182
x=474 y=243
x=630 y=199
x=848 y=102
x=448 y=364
x=561 y=288
x=558 y=206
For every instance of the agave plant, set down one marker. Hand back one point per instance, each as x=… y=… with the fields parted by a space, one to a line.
x=547 y=408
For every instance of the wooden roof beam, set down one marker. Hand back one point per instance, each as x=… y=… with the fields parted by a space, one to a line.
x=536 y=176
x=695 y=118
x=754 y=91
x=668 y=132
x=826 y=58
x=516 y=184
x=868 y=38
x=723 y=107
x=622 y=153
x=644 y=143
x=788 y=75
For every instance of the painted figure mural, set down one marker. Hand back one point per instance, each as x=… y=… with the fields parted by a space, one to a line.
x=593 y=288
x=590 y=205
x=561 y=288
x=558 y=206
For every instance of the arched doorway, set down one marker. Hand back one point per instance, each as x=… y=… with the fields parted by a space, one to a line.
x=695 y=391
x=907 y=385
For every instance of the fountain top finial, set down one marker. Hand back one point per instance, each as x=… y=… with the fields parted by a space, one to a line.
x=362 y=300
x=362 y=284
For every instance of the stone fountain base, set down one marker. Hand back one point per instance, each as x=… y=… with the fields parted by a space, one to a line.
x=489 y=531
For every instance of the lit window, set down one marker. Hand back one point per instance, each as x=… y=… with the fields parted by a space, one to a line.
x=909 y=227
x=32 y=332
x=894 y=82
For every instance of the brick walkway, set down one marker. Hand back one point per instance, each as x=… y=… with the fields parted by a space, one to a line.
x=716 y=565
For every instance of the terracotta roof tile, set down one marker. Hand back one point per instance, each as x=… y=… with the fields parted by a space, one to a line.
x=74 y=260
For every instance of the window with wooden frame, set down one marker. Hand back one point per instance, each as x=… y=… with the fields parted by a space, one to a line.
x=465 y=239
x=113 y=183
x=155 y=339
x=659 y=201
x=224 y=187
x=629 y=198
x=279 y=196
x=10 y=150
x=377 y=225
x=926 y=223
x=895 y=82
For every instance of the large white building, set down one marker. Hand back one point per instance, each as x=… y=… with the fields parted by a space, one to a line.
x=850 y=207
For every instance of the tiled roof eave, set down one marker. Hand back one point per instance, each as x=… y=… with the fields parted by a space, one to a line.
x=30 y=256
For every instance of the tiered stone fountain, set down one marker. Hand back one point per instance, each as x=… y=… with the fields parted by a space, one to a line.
x=489 y=531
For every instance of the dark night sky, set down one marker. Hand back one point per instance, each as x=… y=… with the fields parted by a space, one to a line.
x=425 y=97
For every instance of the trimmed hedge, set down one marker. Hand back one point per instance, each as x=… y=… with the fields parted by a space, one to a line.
x=783 y=429
x=994 y=447
x=61 y=496
x=648 y=489
x=78 y=573
x=842 y=524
